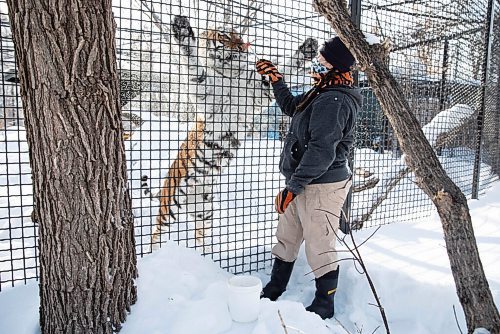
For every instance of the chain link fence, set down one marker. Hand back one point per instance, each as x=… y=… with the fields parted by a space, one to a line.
x=440 y=54
x=444 y=54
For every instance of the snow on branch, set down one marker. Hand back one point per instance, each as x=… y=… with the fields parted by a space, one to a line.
x=446 y=121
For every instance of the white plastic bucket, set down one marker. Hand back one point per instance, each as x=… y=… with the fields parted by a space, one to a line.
x=243 y=298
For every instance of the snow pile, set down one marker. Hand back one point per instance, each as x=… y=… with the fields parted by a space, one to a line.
x=371 y=38
x=445 y=121
x=179 y=292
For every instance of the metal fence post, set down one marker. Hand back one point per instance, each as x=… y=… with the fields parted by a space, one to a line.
x=443 y=90
x=345 y=225
x=480 y=115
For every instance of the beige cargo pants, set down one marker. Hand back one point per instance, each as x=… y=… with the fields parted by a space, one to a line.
x=312 y=217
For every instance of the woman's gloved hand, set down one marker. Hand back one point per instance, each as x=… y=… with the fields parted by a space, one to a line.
x=266 y=67
x=283 y=199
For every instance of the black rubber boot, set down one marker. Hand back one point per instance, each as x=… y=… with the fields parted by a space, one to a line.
x=280 y=276
x=326 y=286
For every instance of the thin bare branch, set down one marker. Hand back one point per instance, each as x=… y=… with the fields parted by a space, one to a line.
x=155 y=17
x=360 y=271
x=371 y=235
x=370 y=282
x=337 y=261
x=282 y=322
x=403 y=172
x=329 y=212
x=456 y=319
x=369 y=183
x=342 y=325
x=358 y=260
x=251 y=14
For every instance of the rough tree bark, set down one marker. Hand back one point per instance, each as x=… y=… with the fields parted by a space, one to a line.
x=471 y=284
x=65 y=51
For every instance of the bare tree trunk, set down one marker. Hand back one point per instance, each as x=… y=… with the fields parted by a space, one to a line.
x=66 y=55
x=471 y=284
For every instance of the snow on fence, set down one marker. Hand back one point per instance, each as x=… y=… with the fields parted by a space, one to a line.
x=443 y=54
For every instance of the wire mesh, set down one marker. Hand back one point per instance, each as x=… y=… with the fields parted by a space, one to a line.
x=18 y=236
x=439 y=50
x=491 y=129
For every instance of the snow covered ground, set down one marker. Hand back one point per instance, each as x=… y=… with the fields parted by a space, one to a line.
x=181 y=292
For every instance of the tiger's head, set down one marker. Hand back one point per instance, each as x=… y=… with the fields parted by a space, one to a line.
x=224 y=51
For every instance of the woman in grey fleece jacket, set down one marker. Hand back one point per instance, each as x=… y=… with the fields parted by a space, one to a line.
x=314 y=163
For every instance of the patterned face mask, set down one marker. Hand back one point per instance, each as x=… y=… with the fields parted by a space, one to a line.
x=317 y=67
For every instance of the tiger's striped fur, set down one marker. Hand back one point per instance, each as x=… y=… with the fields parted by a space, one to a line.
x=191 y=178
x=228 y=92
x=178 y=173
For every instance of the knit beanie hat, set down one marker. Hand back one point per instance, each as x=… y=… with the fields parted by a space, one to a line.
x=336 y=53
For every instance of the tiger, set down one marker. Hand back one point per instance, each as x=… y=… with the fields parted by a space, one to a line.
x=227 y=93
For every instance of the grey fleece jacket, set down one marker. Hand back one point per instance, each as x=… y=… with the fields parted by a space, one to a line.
x=317 y=144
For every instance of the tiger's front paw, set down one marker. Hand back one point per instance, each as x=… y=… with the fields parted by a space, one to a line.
x=181 y=28
x=309 y=48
